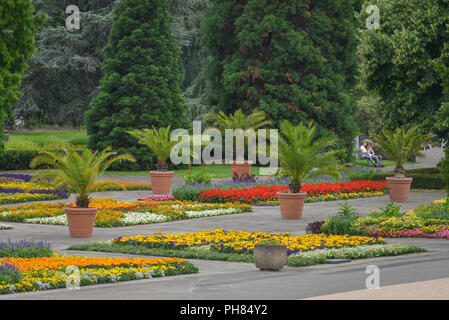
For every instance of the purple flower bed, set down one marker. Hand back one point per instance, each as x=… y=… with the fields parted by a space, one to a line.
x=27 y=178
x=25 y=249
x=19 y=176
x=55 y=192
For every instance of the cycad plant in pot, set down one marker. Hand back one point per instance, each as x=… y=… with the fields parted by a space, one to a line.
x=238 y=120
x=158 y=141
x=303 y=156
x=399 y=146
x=77 y=173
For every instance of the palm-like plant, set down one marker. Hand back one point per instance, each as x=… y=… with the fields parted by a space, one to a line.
x=159 y=143
x=304 y=156
x=401 y=145
x=238 y=120
x=77 y=173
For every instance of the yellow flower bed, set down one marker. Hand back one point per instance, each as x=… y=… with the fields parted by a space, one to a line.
x=244 y=242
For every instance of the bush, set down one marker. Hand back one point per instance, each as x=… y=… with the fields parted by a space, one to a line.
x=196 y=177
x=342 y=223
x=17 y=159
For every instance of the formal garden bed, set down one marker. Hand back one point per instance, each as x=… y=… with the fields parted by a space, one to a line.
x=16 y=188
x=265 y=193
x=32 y=266
x=237 y=246
x=425 y=221
x=112 y=213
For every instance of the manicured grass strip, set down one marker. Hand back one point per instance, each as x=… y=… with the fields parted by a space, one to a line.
x=187 y=253
x=298 y=260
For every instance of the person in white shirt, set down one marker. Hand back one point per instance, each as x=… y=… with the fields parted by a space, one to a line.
x=367 y=155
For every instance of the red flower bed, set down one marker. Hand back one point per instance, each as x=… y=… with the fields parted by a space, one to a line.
x=259 y=194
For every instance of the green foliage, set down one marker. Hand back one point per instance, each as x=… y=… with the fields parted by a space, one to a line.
x=255 y=120
x=26 y=249
x=304 y=156
x=140 y=87
x=197 y=177
x=342 y=222
x=77 y=173
x=390 y=210
x=17 y=159
x=18 y=28
x=444 y=170
x=158 y=141
x=401 y=145
x=290 y=59
x=9 y=274
x=402 y=62
x=346 y=210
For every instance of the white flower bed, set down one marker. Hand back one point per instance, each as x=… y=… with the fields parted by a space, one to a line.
x=211 y=213
x=136 y=218
x=353 y=252
x=60 y=220
x=133 y=218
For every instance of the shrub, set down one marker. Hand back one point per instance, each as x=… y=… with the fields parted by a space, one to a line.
x=342 y=223
x=197 y=177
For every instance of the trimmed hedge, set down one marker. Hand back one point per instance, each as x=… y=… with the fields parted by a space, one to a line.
x=429 y=178
x=21 y=159
x=17 y=159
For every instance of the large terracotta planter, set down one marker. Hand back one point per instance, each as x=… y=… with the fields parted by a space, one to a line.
x=399 y=188
x=241 y=168
x=292 y=204
x=270 y=257
x=81 y=221
x=161 y=181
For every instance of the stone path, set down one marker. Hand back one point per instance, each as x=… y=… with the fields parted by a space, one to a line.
x=225 y=280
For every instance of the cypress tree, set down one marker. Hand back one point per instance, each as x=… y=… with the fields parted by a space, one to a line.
x=292 y=59
x=140 y=87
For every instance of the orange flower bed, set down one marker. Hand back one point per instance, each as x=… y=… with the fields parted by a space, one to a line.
x=62 y=262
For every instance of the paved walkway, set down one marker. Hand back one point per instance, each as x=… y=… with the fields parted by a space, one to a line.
x=225 y=280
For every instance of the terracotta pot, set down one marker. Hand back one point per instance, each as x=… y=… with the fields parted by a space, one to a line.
x=81 y=221
x=242 y=167
x=399 y=188
x=270 y=257
x=161 y=181
x=292 y=204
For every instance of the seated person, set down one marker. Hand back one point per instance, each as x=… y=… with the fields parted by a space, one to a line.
x=366 y=155
x=378 y=156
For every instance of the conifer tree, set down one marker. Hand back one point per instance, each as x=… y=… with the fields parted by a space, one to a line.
x=292 y=59
x=140 y=87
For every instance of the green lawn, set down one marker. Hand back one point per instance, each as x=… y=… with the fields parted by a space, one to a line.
x=387 y=163
x=39 y=139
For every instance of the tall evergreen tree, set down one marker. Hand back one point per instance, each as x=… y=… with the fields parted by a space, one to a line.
x=18 y=29
x=291 y=59
x=140 y=87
